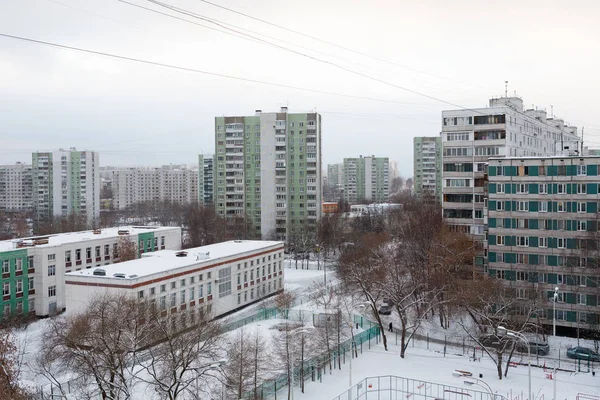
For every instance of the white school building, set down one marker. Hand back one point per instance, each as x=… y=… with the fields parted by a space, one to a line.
x=225 y=276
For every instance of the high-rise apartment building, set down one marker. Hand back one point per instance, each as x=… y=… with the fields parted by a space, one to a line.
x=16 y=187
x=427 y=154
x=268 y=172
x=66 y=182
x=543 y=234
x=205 y=180
x=366 y=179
x=471 y=136
x=335 y=175
x=173 y=183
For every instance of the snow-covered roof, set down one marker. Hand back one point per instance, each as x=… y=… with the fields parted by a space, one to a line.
x=172 y=260
x=73 y=237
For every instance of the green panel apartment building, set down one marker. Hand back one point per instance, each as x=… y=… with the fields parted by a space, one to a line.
x=66 y=182
x=267 y=172
x=366 y=179
x=543 y=234
x=427 y=154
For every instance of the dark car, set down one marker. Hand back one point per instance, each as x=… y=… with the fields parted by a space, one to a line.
x=385 y=310
x=583 y=353
x=497 y=342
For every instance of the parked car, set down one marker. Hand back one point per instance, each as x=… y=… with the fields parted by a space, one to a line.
x=493 y=341
x=583 y=353
x=535 y=347
x=385 y=310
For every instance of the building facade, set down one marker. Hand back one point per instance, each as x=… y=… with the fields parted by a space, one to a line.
x=268 y=172
x=427 y=172
x=471 y=136
x=172 y=183
x=366 y=179
x=335 y=175
x=223 y=277
x=543 y=233
x=33 y=269
x=16 y=188
x=205 y=180
x=66 y=182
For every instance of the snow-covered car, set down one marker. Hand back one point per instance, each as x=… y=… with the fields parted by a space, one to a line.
x=385 y=310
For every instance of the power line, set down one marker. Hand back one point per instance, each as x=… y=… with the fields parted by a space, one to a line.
x=215 y=74
x=329 y=42
x=352 y=71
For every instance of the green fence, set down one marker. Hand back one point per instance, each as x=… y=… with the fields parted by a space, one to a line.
x=314 y=368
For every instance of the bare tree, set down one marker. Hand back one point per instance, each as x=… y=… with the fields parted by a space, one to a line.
x=126 y=249
x=10 y=370
x=246 y=364
x=362 y=269
x=189 y=345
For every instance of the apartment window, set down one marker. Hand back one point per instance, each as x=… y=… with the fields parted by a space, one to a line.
x=582 y=225
x=88 y=253
x=521 y=293
x=522 y=188
x=173 y=300
x=192 y=293
x=51 y=270
x=561 y=188
x=500 y=240
x=163 y=288
x=499 y=170
x=200 y=291
x=182 y=297
x=523 y=241
x=30 y=283
x=163 y=302
x=582 y=299
x=522 y=206
x=500 y=274
x=543 y=242
x=560 y=206
x=5 y=288
x=543 y=206
x=68 y=256
x=182 y=282
x=209 y=288
x=52 y=291
x=561 y=243
x=581 y=207
x=106 y=250
x=140 y=294
x=51 y=257
x=19 y=264
x=543 y=188
x=499 y=205
x=522 y=276
x=499 y=257
x=5 y=266
x=30 y=262
x=582 y=170
x=173 y=285
x=152 y=291
x=581 y=188
x=97 y=251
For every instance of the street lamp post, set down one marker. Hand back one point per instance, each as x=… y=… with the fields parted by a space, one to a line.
x=483 y=384
x=301 y=331
x=522 y=337
x=555 y=298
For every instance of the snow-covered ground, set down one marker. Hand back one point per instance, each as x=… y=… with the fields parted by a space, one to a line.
x=424 y=360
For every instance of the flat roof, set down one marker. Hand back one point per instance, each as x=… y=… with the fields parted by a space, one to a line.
x=167 y=260
x=59 y=239
x=564 y=156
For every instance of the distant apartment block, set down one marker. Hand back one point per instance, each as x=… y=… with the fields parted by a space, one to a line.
x=543 y=234
x=335 y=175
x=471 y=136
x=16 y=188
x=172 y=183
x=33 y=269
x=366 y=179
x=205 y=180
x=427 y=173
x=66 y=182
x=268 y=172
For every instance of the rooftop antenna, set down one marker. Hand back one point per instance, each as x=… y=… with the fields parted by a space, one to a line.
x=505 y=88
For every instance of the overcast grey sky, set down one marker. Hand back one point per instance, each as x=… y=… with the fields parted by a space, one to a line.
x=135 y=114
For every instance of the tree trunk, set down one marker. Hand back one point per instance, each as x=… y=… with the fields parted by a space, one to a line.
x=499 y=364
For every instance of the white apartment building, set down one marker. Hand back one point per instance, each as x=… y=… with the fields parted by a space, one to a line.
x=33 y=269
x=225 y=277
x=66 y=182
x=16 y=187
x=366 y=179
x=471 y=136
x=174 y=183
